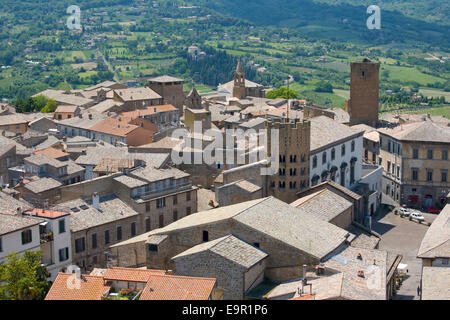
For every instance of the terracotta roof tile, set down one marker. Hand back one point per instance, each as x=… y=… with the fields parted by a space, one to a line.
x=51 y=153
x=91 y=288
x=130 y=274
x=165 y=287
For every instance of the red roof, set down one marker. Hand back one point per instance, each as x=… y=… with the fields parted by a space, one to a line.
x=66 y=287
x=46 y=213
x=130 y=274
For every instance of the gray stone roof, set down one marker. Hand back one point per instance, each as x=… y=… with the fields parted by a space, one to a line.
x=9 y=205
x=152 y=174
x=277 y=220
x=435 y=283
x=42 y=185
x=10 y=223
x=325 y=131
x=324 y=205
x=111 y=209
x=165 y=79
x=436 y=243
x=72 y=167
x=41 y=160
x=6 y=145
x=230 y=248
x=130 y=182
x=84 y=122
x=425 y=131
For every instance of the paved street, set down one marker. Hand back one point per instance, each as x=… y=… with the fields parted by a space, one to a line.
x=403 y=237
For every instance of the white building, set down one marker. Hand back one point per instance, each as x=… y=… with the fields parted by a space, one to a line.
x=55 y=239
x=372 y=176
x=336 y=152
x=18 y=234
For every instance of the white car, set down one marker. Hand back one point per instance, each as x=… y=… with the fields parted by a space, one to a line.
x=405 y=212
x=416 y=216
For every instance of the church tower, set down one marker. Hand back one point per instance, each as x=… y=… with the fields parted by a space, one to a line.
x=239 y=82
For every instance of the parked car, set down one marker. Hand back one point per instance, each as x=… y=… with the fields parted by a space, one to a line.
x=416 y=216
x=404 y=211
x=433 y=210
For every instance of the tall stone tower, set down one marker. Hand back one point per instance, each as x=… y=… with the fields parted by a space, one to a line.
x=193 y=100
x=194 y=111
x=170 y=89
x=239 y=82
x=294 y=150
x=364 y=85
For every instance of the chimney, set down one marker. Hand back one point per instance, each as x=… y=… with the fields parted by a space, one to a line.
x=90 y=116
x=96 y=201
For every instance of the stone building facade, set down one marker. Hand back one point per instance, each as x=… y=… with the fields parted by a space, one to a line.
x=170 y=89
x=364 y=95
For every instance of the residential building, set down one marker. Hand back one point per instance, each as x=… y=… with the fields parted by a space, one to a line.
x=15 y=123
x=132 y=284
x=336 y=152
x=137 y=98
x=434 y=283
x=64 y=112
x=8 y=159
x=55 y=239
x=416 y=163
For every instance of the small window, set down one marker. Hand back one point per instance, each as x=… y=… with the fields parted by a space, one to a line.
x=343 y=150
x=205 y=236
x=119 y=233
x=94 y=241
x=188 y=196
x=175 y=200
x=63 y=254
x=314 y=161
x=153 y=248
x=62 y=226
x=430 y=154
x=188 y=211
x=333 y=154
x=161 y=221
x=444 y=154
x=353 y=146
x=147 y=207
x=256 y=244
x=27 y=237
x=324 y=157
x=107 y=240
x=147 y=225
x=175 y=215
x=430 y=176
x=133 y=229
x=445 y=261
x=79 y=245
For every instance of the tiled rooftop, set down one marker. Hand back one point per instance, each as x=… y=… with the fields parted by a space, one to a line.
x=11 y=223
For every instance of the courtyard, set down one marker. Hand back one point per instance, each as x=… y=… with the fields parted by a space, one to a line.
x=402 y=236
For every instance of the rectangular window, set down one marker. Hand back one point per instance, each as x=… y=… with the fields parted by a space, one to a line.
x=175 y=200
x=188 y=196
x=444 y=177
x=444 y=154
x=79 y=245
x=119 y=233
x=27 y=236
x=153 y=248
x=94 y=241
x=63 y=254
x=62 y=226
x=415 y=174
x=415 y=153
x=430 y=176
x=147 y=207
x=398 y=172
x=205 y=236
x=389 y=166
x=430 y=154
x=188 y=211
x=161 y=221
x=133 y=229
x=106 y=236
x=147 y=225
x=161 y=203
x=175 y=215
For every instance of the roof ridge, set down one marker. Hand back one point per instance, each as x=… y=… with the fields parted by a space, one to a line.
x=262 y=200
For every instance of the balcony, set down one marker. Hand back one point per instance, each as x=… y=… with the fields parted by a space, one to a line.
x=124 y=294
x=46 y=237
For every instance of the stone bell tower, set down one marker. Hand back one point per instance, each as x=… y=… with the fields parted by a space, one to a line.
x=239 y=82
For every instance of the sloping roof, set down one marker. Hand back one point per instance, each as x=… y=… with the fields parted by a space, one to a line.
x=165 y=79
x=42 y=185
x=324 y=205
x=425 y=131
x=12 y=119
x=43 y=159
x=326 y=131
x=111 y=209
x=6 y=145
x=230 y=248
x=132 y=94
x=84 y=122
x=91 y=288
x=64 y=108
x=168 y=287
x=148 y=111
x=435 y=283
x=51 y=153
x=130 y=182
x=10 y=223
x=274 y=218
x=131 y=274
x=436 y=243
x=152 y=174
x=105 y=106
x=115 y=127
x=9 y=205
x=71 y=99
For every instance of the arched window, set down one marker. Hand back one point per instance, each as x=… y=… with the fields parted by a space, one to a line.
x=343 y=150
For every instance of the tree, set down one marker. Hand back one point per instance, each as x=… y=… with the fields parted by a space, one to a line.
x=282 y=93
x=23 y=278
x=324 y=86
x=50 y=106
